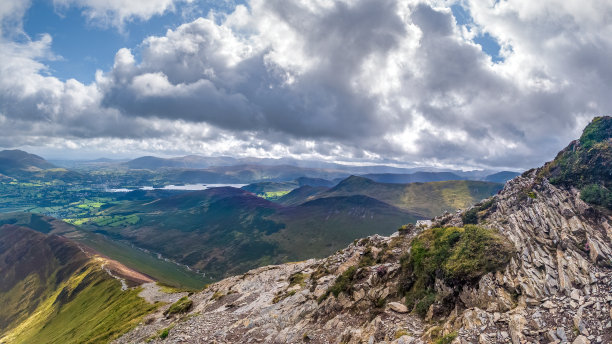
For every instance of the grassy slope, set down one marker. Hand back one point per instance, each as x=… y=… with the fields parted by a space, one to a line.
x=425 y=199
x=319 y=227
x=53 y=293
x=148 y=263
x=301 y=195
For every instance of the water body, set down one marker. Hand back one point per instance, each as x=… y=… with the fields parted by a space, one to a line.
x=185 y=187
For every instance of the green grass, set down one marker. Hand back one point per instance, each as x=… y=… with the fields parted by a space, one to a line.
x=274 y=195
x=89 y=308
x=447 y=339
x=342 y=284
x=183 y=305
x=598 y=130
x=458 y=256
x=165 y=272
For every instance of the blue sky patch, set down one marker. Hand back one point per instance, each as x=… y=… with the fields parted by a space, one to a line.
x=489 y=44
x=86 y=47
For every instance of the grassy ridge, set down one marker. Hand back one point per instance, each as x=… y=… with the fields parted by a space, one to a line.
x=97 y=311
x=163 y=271
x=148 y=263
x=51 y=292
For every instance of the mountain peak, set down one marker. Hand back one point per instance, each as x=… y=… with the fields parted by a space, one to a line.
x=599 y=130
x=586 y=164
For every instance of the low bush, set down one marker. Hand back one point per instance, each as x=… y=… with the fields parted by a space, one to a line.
x=458 y=256
x=597 y=194
x=343 y=283
x=183 y=305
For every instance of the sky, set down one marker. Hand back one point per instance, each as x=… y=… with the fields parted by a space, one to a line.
x=464 y=84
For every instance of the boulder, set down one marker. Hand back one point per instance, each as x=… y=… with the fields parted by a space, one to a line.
x=398 y=307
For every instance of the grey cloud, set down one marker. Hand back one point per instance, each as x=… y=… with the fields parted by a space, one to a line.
x=321 y=102
x=365 y=78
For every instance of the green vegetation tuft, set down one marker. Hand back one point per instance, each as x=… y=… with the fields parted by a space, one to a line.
x=367 y=258
x=343 y=283
x=597 y=194
x=600 y=129
x=183 y=305
x=470 y=217
x=447 y=339
x=297 y=278
x=458 y=256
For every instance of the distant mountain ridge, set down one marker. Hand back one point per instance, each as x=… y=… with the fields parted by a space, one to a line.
x=23 y=165
x=416 y=177
x=426 y=199
x=17 y=162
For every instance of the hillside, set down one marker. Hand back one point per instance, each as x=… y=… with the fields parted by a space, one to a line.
x=417 y=177
x=22 y=165
x=276 y=190
x=301 y=195
x=529 y=265
x=223 y=231
x=52 y=291
x=501 y=177
x=425 y=199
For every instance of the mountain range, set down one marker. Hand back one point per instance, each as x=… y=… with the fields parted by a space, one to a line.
x=530 y=263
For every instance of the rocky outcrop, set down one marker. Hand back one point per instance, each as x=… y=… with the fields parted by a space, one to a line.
x=558 y=286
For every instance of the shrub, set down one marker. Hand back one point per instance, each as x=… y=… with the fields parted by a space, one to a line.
x=470 y=217
x=597 y=194
x=456 y=255
x=367 y=259
x=447 y=339
x=183 y=305
x=343 y=283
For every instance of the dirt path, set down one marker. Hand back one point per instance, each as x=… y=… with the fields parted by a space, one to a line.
x=152 y=293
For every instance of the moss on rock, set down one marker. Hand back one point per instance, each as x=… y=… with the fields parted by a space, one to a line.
x=455 y=255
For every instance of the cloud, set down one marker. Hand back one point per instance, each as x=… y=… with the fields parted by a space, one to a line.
x=117 y=12
x=360 y=80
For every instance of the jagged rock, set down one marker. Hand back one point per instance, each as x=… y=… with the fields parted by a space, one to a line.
x=549 y=305
x=575 y=295
x=398 y=307
x=517 y=323
x=404 y=340
x=581 y=340
x=561 y=334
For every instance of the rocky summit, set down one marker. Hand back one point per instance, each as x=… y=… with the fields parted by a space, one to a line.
x=532 y=264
